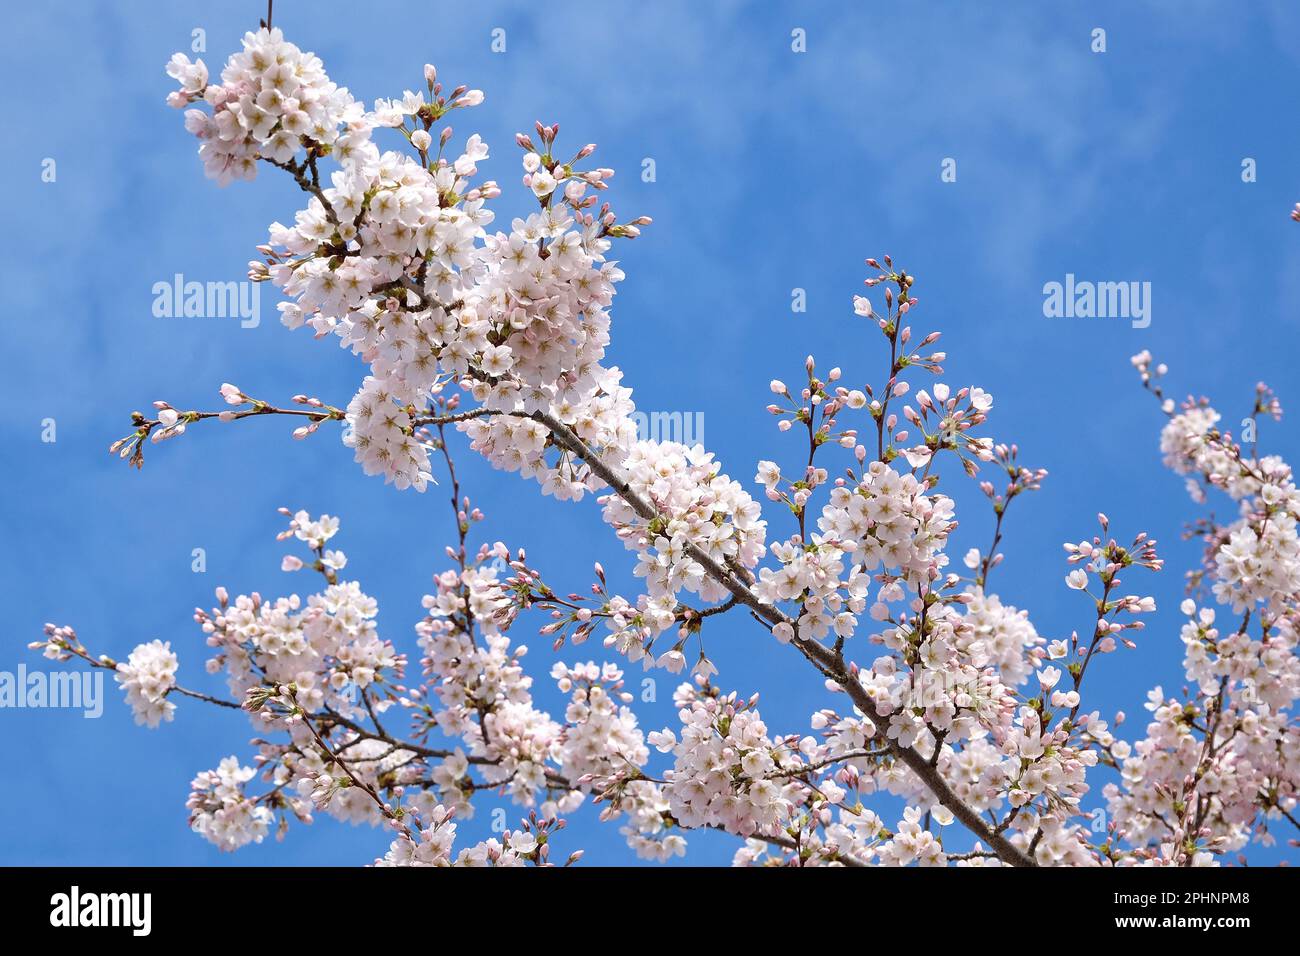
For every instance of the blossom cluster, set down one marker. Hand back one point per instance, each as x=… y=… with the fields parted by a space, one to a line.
x=148 y=676
x=393 y=256
x=724 y=771
x=219 y=810
x=1216 y=761
x=317 y=671
x=433 y=845
x=697 y=510
x=273 y=101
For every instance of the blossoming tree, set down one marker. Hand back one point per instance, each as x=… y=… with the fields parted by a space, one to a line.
x=936 y=692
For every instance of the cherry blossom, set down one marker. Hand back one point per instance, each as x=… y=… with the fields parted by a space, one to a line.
x=938 y=692
x=147 y=676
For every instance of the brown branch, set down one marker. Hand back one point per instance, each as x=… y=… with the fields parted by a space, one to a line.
x=826 y=661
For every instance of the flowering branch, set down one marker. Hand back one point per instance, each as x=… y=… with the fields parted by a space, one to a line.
x=393 y=254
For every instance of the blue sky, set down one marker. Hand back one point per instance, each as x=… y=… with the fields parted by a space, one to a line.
x=775 y=171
